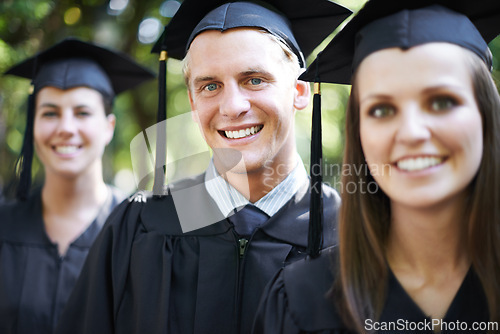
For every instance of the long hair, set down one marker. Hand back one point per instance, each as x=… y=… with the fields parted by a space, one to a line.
x=364 y=221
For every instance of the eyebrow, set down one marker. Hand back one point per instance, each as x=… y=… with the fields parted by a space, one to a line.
x=443 y=87
x=48 y=105
x=376 y=96
x=199 y=80
x=256 y=71
x=51 y=105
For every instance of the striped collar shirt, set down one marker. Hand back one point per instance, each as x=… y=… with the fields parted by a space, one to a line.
x=228 y=198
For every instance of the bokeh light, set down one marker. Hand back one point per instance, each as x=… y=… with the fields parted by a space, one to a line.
x=72 y=15
x=149 y=30
x=116 y=7
x=169 y=8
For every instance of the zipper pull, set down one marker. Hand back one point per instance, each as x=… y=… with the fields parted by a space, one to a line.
x=243 y=246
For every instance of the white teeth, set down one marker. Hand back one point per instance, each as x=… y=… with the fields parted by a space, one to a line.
x=66 y=149
x=244 y=132
x=414 y=164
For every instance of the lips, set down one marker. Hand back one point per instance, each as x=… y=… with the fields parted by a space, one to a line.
x=242 y=133
x=418 y=163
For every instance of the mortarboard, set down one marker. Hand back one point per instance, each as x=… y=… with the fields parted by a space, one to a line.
x=68 y=64
x=392 y=23
x=383 y=24
x=301 y=26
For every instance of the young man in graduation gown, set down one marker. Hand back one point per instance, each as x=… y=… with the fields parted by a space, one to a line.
x=196 y=258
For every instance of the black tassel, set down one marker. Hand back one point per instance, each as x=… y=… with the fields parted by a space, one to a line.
x=315 y=236
x=25 y=159
x=161 y=129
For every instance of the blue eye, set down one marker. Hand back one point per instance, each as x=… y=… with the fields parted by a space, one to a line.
x=382 y=111
x=443 y=103
x=256 y=81
x=211 y=87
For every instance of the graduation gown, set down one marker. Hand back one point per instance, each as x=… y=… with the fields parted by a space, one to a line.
x=296 y=301
x=144 y=275
x=35 y=282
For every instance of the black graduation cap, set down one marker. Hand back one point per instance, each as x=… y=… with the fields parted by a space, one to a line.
x=68 y=64
x=393 y=23
x=302 y=26
x=402 y=23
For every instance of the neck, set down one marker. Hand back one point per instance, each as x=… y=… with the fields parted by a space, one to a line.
x=427 y=240
x=61 y=193
x=257 y=183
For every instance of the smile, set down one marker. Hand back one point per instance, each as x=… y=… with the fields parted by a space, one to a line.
x=420 y=163
x=67 y=149
x=243 y=132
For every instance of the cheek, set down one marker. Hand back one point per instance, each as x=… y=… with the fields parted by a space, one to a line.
x=41 y=130
x=467 y=137
x=372 y=143
x=203 y=120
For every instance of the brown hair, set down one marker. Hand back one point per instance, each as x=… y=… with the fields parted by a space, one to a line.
x=364 y=222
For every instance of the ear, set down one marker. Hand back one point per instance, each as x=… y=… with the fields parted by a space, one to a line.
x=302 y=95
x=111 y=127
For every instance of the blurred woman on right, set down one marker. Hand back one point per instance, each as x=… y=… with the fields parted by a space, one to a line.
x=419 y=233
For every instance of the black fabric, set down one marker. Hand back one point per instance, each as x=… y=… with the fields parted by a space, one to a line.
x=297 y=301
x=247 y=219
x=146 y=276
x=302 y=25
x=394 y=23
x=35 y=282
x=245 y=14
x=75 y=63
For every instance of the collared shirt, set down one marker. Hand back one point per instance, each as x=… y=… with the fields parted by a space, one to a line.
x=228 y=198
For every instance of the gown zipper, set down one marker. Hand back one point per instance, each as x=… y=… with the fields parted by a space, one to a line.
x=242 y=244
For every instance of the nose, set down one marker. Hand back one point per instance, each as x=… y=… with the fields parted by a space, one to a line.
x=413 y=127
x=234 y=102
x=67 y=124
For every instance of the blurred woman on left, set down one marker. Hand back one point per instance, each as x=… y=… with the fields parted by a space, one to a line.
x=45 y=236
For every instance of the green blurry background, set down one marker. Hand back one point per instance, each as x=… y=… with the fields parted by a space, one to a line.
x=132 y=26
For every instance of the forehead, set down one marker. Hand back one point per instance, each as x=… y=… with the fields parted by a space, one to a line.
x=430 y=63
x=56 y=95
x=214 y=49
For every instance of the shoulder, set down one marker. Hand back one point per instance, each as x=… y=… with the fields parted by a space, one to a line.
x=18 y=217
x=306 y=284
x=184 y=204
x=331 y=195
x=8 y=213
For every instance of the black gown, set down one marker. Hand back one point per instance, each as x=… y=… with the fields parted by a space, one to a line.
x=35 y=282
x=145 y=276
x=296 y=301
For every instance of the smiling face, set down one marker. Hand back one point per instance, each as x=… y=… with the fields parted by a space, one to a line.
x=71 y=130
x=419 y=115
x=243 y=93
